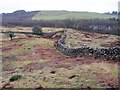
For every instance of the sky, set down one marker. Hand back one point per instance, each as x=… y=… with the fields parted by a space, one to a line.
x=100 y=6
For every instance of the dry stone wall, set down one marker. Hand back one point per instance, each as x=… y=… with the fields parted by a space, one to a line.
x=108 y=53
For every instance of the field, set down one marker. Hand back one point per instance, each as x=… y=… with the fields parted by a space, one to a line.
x=43 y=66
x=80 y=38
x=61 y=15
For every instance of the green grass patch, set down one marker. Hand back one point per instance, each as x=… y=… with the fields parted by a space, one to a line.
x=38 y=41
x=60 y=15
x=29 y=45
x=18 y=64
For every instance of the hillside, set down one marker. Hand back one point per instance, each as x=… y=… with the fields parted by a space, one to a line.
x=58 y=15
x=78 y=39
x=52 y=15
x=41 y=65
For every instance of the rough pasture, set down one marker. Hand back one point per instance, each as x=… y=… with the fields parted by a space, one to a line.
x=80 y=38
x=42 y=65
x=61 y=15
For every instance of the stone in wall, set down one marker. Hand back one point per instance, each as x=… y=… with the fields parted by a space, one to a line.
x=109 y=53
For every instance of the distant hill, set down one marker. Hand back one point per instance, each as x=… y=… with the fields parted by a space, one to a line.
x=61 y=15
x=18 y=15
x=87 y=21
x=52 y=15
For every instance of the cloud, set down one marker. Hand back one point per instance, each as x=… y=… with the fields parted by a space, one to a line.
x=71 y=5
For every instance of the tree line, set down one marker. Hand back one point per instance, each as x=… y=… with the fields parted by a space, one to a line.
x=23 y=18
x=110 y=26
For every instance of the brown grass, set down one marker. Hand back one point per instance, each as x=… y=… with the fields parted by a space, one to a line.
x=36 y=64
x=79 y=38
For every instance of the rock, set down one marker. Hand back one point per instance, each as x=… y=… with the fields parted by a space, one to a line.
x=7 y=85
x=53 y=72
x=108 y=53
x=1 y=85
x=38 y=86
x=73 y=76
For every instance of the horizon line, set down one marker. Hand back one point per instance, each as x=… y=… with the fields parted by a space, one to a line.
x=57 y=10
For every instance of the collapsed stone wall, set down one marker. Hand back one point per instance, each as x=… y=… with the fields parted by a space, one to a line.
x=50 y=34
x=108 y=53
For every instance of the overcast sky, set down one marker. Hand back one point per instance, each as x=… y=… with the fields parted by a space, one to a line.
x=101 y=6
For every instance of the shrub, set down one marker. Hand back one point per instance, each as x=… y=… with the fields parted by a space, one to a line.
x=37 y=30
x=14 y=78
x=10 y=34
